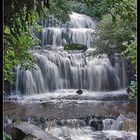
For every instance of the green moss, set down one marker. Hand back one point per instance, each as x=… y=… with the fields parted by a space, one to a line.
x=75 y=47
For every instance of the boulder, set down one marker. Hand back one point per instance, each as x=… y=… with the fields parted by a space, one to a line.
x=96 y=124
x=75 y=47
x=24 y=130
x=79 y=91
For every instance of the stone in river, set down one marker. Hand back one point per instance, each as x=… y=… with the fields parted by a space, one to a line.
x=79 y=92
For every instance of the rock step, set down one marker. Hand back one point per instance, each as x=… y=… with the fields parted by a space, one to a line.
x=69 y=110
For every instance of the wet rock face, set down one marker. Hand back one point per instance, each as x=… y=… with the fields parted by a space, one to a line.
x=129 y=68
x=130 y=71
x=7 y=87
x=96 y=124
x=67 y=110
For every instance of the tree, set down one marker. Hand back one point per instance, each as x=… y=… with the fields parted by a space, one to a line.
x=14 y=7
x=131 y=54
x=118 y=29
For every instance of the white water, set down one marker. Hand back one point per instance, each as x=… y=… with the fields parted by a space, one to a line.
x=122 y=123
x=86 y=97
x=81 y=21
x=74 y=133
x=63 y=70
x=75 y=129
x=80 y=29
x=87 y=134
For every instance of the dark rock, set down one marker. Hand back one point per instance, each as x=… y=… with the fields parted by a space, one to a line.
x=128 y=90
x=79 y=91
x=17 y=134
x=96 y=124
x=7 y=87
x=24 y=119
x=59 y=123
x=130 y=71
x=42 y=120
x=129 y=67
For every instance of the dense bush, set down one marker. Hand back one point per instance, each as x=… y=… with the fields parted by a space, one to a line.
x=111 y=35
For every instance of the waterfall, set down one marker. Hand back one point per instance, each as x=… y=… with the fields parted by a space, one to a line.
x=81 y=21
x=121 y=123
x=60 y=36
x=76 y=129
x=63 y=70
x=72 y=129
x=59 y=69
x=80 y=29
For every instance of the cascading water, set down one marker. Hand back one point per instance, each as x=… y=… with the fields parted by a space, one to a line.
x=121 y=123
x=57 y=70
x=66 y=70
x=80 y=29
x=76 y=129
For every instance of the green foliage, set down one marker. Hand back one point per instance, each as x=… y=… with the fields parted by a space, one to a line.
x=133 y=90
x=60 y=9
x=131 y=51
x=75 y=47
x=78 y=7
x=12 y=8
x=117 y=26
x=125 y=9
x=19 y=24
x=131 y=54
x=16 y=52
x=6 y=136
x=95 y=8
x=98 y=8
x=111 y=36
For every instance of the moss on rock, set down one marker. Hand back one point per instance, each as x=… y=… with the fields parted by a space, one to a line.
x=75 y=47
